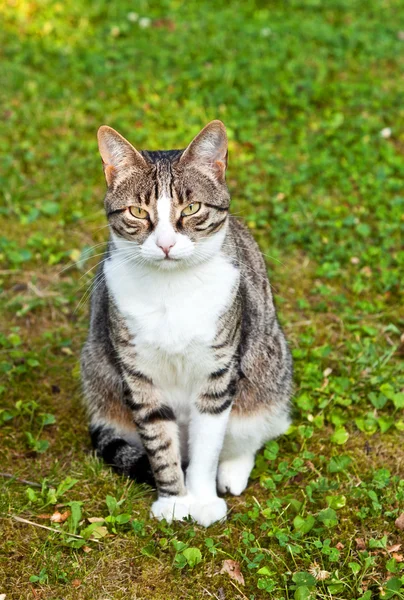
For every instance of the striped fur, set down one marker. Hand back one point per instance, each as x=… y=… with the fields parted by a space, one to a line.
x=185 y=364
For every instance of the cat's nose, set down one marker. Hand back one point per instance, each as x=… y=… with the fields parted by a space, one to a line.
x=166 y=247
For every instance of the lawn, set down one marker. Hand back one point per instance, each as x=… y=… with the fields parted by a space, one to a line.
x=312 y=95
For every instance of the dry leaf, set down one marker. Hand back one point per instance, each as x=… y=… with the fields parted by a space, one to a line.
x=86 y=549
x=394 y=547
x=43 y=516
x=99 y=532
x=339 y=546
x=360 y=544
x=76 y=583
x=399 y=523
x=232 y=568
x=96 y=520
x=58 y=517
x=67 y=351
x=398 y=557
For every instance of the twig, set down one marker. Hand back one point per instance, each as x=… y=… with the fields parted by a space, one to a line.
x=10 y=476
x=39 y=292
x=211 y=595
x=238 y=589
x=79 y=537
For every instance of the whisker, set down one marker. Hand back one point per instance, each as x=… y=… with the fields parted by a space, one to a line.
x=97 y=282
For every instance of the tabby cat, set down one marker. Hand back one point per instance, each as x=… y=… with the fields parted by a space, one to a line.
x=186 y=371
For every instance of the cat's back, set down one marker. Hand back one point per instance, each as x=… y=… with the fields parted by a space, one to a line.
x=244 y=250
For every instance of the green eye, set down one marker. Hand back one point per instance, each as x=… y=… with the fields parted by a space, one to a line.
x=191 y=209
x=138 y=212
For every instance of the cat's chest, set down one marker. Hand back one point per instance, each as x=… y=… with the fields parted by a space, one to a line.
x=175 y=313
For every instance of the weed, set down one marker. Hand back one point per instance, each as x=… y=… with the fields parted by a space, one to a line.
x=311 y=94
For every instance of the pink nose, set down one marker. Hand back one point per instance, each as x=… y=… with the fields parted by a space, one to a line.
x=166 y=248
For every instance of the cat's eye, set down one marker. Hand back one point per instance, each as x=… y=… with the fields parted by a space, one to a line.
x=191 y=209
x=138 y=212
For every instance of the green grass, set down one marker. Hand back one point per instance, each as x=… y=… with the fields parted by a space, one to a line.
x=305 y=88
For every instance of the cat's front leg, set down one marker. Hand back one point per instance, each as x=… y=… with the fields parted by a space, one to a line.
x=206 y=434
x=158 y=430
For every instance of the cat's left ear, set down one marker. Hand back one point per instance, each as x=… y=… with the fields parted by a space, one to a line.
x=209 y=150
x=117 y=153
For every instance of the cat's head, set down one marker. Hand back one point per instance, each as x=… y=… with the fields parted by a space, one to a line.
x=167 y=209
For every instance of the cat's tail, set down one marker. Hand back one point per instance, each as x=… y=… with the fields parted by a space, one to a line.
x=126 y=458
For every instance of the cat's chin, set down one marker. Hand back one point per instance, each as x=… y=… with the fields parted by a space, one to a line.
x=171 y=264
x=165 y=265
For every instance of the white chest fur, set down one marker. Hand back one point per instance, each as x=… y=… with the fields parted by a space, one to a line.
x=173 y=316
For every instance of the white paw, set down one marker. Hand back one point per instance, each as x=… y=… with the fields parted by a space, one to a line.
x=177 y=508
x=173 y=508
x=206 y=512
x=233 y=474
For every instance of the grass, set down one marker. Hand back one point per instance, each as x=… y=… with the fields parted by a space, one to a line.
x=312 y=96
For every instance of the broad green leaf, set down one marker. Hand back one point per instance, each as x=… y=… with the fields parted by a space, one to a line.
x=123 y=518
x=193 y=556
x=304 y=525
x=65 y=486
x=304 y=578
x=340 y=436
x=385 y=423
x=94 y=530
x=305 y=402
x=31 y=494
x=302 y=593
x=336 y=502
x=328 y=517
x=339 y=463
x=48 y=419
x=398 y=400
x=355 y=567
x=74 y=519
x=367 y=424
x=264 y=571
x=112 y=505
x=373 y=543
x=271 y=450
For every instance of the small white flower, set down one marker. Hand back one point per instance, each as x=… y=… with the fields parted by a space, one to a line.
x=386 y=133
x=318 y=573
x=144 y=22
x=132 y=17
x=266 y=32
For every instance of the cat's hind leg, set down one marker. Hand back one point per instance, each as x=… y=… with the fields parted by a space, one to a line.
x=245 y=435
x=122 y=450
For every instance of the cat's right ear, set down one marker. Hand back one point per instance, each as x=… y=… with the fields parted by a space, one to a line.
x=117 y=153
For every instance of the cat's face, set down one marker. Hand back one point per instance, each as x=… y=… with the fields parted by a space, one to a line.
x=167 y=209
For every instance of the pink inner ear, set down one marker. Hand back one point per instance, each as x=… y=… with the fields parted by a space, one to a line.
x=109 y=172
x=220 y=169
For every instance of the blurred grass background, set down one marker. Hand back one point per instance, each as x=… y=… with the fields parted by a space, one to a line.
x=311 y=92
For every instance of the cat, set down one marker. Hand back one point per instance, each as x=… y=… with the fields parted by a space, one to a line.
x=186 y=372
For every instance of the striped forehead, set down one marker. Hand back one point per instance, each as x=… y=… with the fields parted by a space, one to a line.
x=165 y=184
